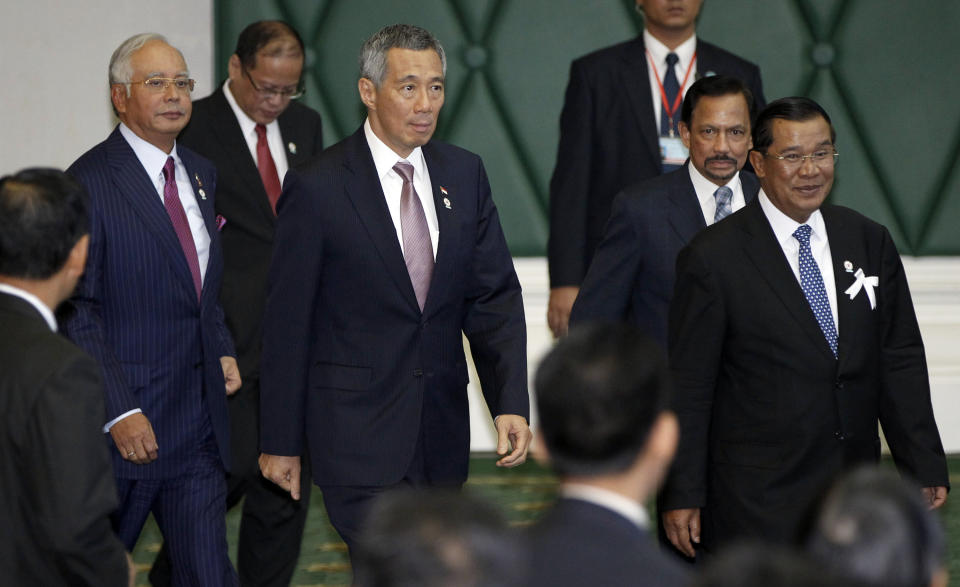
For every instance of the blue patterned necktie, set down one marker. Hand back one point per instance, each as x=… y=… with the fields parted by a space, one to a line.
x=724 y=197
x=811 y=280
x=671 y=87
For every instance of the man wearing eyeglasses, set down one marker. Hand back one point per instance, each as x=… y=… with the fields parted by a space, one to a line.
x=253 y=130
x=147 y=310
x=792 y=333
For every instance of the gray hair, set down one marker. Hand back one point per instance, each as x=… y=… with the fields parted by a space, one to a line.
x=120 y=70
x=373 y=54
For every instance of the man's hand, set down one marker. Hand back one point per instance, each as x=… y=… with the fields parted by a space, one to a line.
x=512 y=431
x=683 y=529
x=231 y=374
x=935 y=496
x=284 y=471
x=134 y=438
x=558 y=308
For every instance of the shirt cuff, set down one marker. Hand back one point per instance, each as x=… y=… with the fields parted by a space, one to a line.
x=110 y=424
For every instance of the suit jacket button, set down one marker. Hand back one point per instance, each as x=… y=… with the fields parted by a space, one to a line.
x=839 y=435
x=418 y=372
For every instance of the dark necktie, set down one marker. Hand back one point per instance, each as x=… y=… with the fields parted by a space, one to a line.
x=671 y=87
x=171 y=201
x=724 y=197
x=811 y=280
x=267 y=169
x=417 y=248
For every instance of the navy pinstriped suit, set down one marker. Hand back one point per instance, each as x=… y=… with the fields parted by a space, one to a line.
x=136 y=311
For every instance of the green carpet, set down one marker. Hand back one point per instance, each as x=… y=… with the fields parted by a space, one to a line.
x=522 y=493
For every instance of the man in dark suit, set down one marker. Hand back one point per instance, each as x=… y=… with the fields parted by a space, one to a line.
x=605 y=429
x=147 y=310
x=253 y=130
x=56 y=486
x=631 y=276
x=388 y=250
x=792 y=333
x=618 y=127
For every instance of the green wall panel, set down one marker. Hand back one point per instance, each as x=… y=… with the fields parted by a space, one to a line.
x=884 y=69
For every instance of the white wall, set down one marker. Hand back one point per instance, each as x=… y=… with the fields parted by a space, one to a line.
x=54 y=97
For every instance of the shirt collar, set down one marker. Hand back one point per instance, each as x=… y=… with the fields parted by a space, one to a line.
x=705 y=188
x=150 y=156
x=248 y=125
x=610 y=500
x=784 y=226
x=659 y=51
x=34 y=301
x=384 y=158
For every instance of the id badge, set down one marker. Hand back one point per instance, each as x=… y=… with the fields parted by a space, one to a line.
x=672 y=151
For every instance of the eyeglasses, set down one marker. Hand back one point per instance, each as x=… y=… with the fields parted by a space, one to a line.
x=288 y=94
x=818 y=158
x=160 y=84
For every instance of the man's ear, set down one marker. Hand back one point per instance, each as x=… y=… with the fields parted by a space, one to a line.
x=118 y=95
x=368 y=93
x=539 y=448
x=77 y=259
x=234 y=70
x=664 y=435
x=757 y=160
x=684 y=134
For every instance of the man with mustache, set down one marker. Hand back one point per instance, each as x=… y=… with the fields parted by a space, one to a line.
x=388 y=251
x=147 y=310
x=631 y=277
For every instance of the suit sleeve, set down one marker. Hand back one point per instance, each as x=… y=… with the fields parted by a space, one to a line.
x=493 y=314
x=697 y=327
x=570 y=184
x=84 y=325
x=292 y=286
x=608 y=286
x=906 y=412
x=224 y=337
x=73 y=491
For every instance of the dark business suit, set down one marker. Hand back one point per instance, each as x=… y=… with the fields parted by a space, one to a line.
x=136 y=311
x=349 y=357
x=632 y=273
x=272 y=524
x=768 y=417
x=56 y=486
x=609 y=140
x=579 y=543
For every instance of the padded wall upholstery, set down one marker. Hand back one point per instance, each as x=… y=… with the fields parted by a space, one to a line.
x=885 y=70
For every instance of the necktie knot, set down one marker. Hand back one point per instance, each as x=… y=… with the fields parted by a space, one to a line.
x=672 y=59
x=261 y=132
x=404 y=170
x=169 y=173
x=802 y=234
x=724 y=197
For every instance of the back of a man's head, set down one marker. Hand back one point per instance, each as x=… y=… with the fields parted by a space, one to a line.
x=436 y=538
x=874 y=528
x=43 y=214
x=599 y=392
x=753 y=564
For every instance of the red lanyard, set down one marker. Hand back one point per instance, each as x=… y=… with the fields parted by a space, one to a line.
x=663 y=93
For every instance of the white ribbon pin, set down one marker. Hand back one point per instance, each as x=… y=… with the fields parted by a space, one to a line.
x=866 y=283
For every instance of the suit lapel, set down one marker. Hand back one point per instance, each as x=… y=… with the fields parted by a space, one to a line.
x=203 y=189
x=705 y=60
x=842 y=248
x=636 y=79
x=763 y=250
x=363 y=188
x=226 y=129
x=684 y=213
x=140 y=192
x=442 y=178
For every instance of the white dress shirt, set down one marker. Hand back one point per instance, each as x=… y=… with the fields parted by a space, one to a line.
x=705 y=188
x=153 y=160
x=248 y=127
x=658 y=52
x=784 y=227
x=384 y=158
x=610 y=500
x=34 y=301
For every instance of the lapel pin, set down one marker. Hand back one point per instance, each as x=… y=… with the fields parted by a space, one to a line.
x=196 y=176
x=292 y=147
x=203 y=194
x=446 y=204
x=848 y=266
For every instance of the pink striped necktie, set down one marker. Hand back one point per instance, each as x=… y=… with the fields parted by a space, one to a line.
x=417 y=248
x=171 y=201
